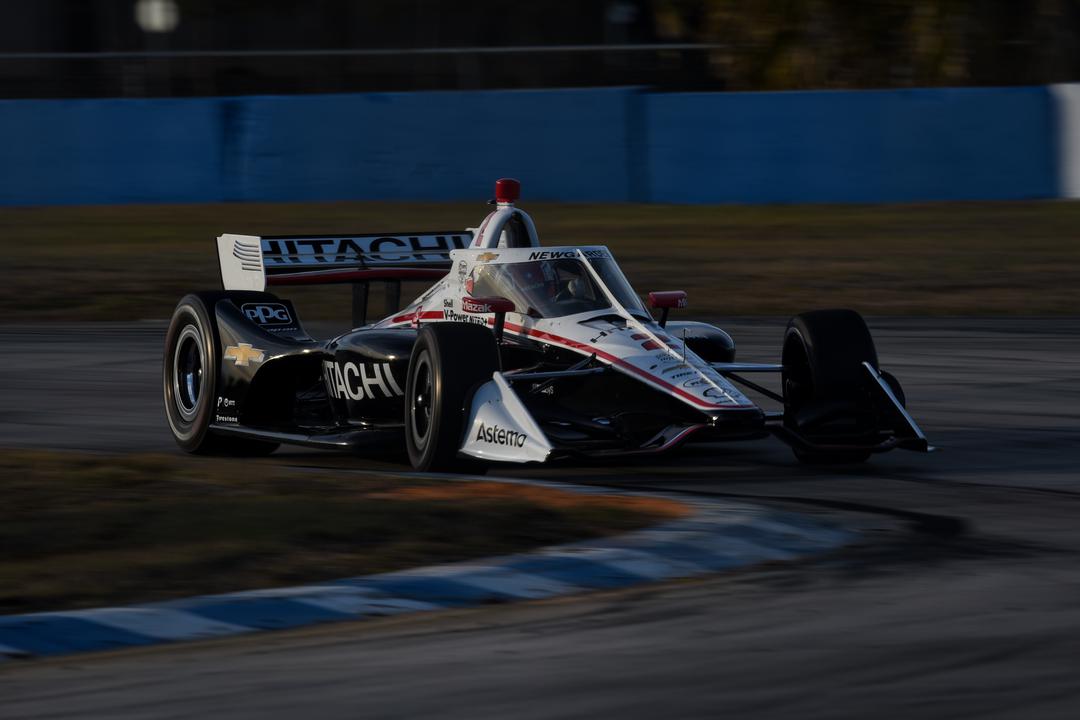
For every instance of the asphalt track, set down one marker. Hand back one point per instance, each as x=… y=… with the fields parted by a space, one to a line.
x=964 y=600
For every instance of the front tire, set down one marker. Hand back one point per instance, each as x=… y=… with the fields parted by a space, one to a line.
x=189 y=381
x=826 y=397
x=449 y=361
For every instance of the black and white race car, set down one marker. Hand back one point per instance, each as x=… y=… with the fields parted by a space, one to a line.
x=517 y=353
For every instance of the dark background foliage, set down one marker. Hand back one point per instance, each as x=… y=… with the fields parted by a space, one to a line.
x=759 y=45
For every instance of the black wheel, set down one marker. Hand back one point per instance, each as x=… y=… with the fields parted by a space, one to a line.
x=895 y=386
x=449 y=361
x=189 y=380
x=826 y=396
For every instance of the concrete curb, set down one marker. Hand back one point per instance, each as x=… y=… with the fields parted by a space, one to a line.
x=718 y=536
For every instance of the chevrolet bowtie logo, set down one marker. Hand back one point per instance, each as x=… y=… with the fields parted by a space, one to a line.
x=487 y=257
x=243 y=354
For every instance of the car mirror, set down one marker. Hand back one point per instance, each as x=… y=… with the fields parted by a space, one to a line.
x=483 y=305
x=667 y=300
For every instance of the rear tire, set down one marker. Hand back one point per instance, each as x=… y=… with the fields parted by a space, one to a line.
x=449 y=361
x=825 y=386
x=189 y=380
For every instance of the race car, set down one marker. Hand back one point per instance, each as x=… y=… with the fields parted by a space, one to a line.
x=517 y=353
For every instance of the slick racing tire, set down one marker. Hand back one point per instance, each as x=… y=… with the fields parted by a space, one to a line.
x=449 y=361
x=895 y=386
x=189 y=380
x=826 y=397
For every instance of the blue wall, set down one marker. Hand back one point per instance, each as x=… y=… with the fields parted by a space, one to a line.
x=576 y=145
x=870 y=146
x=437 y=146
x=109 y=151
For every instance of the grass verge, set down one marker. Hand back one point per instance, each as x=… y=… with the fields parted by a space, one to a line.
x=89 y=530
x=1018 y=258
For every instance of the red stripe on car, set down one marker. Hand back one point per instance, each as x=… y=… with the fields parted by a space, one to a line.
x=615 y=360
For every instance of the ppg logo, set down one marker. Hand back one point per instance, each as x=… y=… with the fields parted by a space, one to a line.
x=267 y=313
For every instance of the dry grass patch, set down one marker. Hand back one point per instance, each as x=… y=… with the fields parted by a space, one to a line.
x=84 y=530
x=1018 y=258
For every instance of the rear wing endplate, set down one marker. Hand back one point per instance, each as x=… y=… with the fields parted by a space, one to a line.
x=253 y=262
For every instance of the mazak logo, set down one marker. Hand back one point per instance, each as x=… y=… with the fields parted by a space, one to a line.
x=495 y=435
x=267 y=313
x=472 y=306
x=359 y=382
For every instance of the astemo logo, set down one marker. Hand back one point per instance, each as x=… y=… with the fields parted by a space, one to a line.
x=496 y=435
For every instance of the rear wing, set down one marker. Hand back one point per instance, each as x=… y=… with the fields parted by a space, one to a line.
x=252 y=262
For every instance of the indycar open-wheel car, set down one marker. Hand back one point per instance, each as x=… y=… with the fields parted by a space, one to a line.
x=516 y=353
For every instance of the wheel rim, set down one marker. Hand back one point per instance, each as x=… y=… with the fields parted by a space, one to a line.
x=187 y=380
x=420 y=401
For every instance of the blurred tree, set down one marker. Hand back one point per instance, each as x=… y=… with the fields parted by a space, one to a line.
x=774 y=44
x=760 y=45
